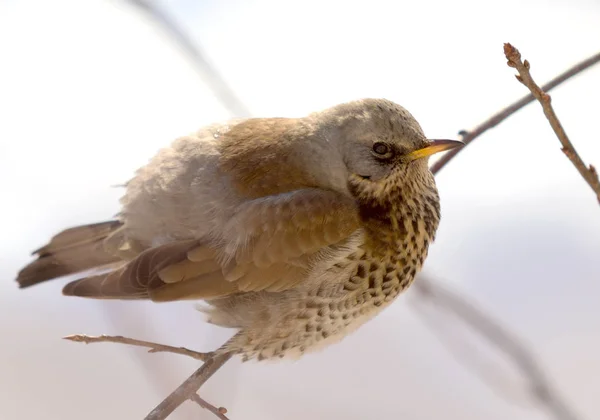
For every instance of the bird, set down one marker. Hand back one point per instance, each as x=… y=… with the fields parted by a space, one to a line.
x=293 y=231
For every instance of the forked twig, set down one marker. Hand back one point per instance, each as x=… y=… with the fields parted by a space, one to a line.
x=188 y=389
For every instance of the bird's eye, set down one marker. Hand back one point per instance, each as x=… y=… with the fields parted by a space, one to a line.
x=382 y=150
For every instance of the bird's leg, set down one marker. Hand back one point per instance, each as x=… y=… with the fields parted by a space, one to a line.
x=153 y=347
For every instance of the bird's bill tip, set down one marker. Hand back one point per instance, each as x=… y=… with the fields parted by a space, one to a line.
x=435 y=146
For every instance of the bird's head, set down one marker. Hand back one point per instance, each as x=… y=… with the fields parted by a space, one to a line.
x=380 y=146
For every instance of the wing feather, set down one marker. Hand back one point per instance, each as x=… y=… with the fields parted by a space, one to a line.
x=267 y=246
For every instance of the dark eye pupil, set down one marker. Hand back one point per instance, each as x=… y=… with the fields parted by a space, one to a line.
x=381 y=148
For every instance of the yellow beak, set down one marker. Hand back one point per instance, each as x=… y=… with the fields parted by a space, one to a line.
x=435 y=146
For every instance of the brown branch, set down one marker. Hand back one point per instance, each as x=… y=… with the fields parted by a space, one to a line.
x=153 y=347
x=497 y=118
x=491 y=330
x=219 y=412
x=588 y=173
x=199 y=59
x=186 y=390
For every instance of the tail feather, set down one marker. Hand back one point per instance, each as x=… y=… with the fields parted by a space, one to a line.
x=70 y=252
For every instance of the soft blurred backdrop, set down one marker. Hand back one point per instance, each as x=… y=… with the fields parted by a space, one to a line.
x=90 y=90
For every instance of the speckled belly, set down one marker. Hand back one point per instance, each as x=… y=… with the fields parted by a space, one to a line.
x=319 y=320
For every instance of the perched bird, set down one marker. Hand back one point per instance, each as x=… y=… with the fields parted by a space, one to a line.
x=294 y=231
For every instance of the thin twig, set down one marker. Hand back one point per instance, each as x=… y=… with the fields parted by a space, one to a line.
x=491 y=330
x=187 y=389
x=219 y=412
x=153 y=347
x=588 y=173
x=494 y=120
x=207 y=71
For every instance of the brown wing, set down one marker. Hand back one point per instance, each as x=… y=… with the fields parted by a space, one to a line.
x=268 y=245
x=289 y=225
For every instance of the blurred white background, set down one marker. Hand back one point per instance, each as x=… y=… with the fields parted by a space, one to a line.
x=89 y=90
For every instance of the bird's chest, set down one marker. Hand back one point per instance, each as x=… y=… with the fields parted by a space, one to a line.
x=370 y=283
x=350 y=291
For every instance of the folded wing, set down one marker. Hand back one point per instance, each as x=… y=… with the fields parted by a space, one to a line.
x=269 y=245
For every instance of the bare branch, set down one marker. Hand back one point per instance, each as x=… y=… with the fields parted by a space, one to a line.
x=588 y=173
x=219 y=412
x=491 y=330
x=494 y=120
x=186 y=390
x=225 y=94
x=153 y=347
